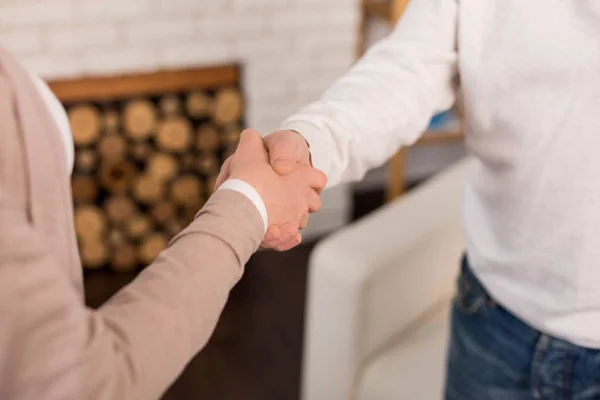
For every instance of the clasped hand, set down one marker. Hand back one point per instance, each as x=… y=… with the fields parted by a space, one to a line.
x=279 y=169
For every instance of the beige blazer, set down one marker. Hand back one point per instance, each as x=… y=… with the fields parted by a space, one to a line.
x=135 y=345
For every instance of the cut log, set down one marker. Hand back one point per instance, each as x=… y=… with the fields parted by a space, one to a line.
x=208 y=164
x=148 y=190
x=138 y=226
x=116 y=177
x=93 y=254
x=189 y=162
x=116 y=238
x=210 y=184
x=174 y=228
x=189 y=212
x=170 y=105
x=119 y=209
x=174 y=134
x=162 y=166
x=229 y=150
x=112 y=147
x=139 y=119
x=124 y=258
x=90 y=222
x=85 y=160
x=112 y=121
x=186 y=190
x=198 y=105
x=84 y=189
x=228 y=106
x=85 y=124
x=141 y=152
x=207 y=138
x=151 y=247
x=232 y=134
x=163 y=213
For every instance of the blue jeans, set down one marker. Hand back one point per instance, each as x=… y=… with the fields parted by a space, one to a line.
x=495 y=356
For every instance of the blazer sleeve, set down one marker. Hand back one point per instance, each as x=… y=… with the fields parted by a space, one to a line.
x=134 y=346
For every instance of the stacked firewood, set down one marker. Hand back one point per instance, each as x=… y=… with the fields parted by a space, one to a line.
x=143 y=169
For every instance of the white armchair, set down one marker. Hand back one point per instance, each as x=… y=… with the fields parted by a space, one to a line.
x=379 y=296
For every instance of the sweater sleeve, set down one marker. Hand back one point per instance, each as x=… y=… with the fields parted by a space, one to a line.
x=135 y=345
x=388 y=98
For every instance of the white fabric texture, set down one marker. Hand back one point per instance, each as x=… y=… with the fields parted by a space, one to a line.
x=59 y=116
x=529 y=74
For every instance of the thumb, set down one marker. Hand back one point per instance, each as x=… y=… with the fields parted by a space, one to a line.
x=281 y=156
x=251 y=146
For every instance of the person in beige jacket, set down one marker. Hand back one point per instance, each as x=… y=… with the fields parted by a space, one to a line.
x=51 y=345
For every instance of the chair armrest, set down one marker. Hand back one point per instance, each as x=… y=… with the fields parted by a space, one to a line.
x=371 y=280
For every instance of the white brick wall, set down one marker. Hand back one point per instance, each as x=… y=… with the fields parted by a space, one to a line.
x=291 y=50
x=70 y=39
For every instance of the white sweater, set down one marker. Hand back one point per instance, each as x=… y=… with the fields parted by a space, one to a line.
x=529 y=75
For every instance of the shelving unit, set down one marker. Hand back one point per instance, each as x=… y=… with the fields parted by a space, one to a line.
x=391 y=11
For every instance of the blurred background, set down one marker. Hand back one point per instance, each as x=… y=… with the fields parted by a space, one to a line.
x=157 y=92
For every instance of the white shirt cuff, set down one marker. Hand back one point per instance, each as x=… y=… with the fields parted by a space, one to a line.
x=321 y=148
x=252 y=195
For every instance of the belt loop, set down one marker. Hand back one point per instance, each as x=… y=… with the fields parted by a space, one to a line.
x=539 y=354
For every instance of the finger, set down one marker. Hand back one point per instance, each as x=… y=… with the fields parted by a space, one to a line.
x=290 y=244
x=224 y=173
x=317 y=179
x=251 y=146
x=314 y=202
x=273 y=243
x=273 y=233
x=276 y=243
x=287 y=232
x=282 y=151
x=304 y=222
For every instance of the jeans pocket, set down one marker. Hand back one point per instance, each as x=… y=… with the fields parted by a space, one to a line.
x=468 y=299
x=471 y=297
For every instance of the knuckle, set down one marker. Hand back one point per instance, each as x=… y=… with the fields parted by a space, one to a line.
x=317 y=206
x=282 y=146
x=323 y=177
x=320 y=178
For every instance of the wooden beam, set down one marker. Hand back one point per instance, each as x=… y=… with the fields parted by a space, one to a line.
x=126 y=86
x=395 y=181
x=440 y=138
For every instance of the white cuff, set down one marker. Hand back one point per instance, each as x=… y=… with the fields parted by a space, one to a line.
x=247 y=190
x=320 y=147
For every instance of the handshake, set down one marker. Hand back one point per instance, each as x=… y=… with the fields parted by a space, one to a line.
x=278 y=167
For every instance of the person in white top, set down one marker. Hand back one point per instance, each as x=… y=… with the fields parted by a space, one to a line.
x=526 y=323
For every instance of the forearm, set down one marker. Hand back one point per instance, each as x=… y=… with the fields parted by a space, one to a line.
x=138 y=342
x=388 y=98
x=176 y=302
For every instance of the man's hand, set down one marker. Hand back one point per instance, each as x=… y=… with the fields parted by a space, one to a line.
x=286 y=149
x=288 y=198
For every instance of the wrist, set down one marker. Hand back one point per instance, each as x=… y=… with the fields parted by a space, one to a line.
x=322 y=147
x=307 y=145
x=251 y=193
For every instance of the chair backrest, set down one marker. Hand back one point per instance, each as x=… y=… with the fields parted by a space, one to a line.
x=375 y=277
